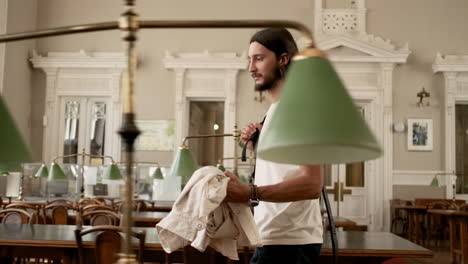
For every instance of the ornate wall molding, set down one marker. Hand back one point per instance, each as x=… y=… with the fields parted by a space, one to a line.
x=81 y=74
x=205 y=76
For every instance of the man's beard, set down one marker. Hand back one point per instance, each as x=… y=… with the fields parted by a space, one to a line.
x=269 y=83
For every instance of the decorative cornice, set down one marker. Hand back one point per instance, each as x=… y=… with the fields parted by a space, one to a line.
x=450 y=63
x=205 y=60
x=378 y=49
x=81 y=59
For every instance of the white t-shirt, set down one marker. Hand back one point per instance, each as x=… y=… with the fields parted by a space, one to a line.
x=291 y=223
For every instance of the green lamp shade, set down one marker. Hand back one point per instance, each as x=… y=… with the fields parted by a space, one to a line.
x=220 y=167
x=435 y=182
x=13 y=150
x=157 y=174
x=184 y=164
x=43 y=172
x=112 y=172
x=316 y=121
x=56 y=173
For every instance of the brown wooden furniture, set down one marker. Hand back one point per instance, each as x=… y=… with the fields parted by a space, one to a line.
x=94 y=207
x=427 y=201
x=108 y=243
x=400 y=219
x=416 y=215
x=364 y=247
x=16 y=216
x=32 y=209
x=458 y=220
x=98 y=217
x=148 y=219
x=58 y=214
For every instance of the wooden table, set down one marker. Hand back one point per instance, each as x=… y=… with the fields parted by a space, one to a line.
x=160 y=206
x=342 y=222
x=456 y=219
x=140 y=219
x=60 y=239
x=415 y=218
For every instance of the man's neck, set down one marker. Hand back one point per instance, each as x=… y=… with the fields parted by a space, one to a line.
x=275 y=91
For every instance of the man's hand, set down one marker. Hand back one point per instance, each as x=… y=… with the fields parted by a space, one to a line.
x=237 y=192
x=247 y=133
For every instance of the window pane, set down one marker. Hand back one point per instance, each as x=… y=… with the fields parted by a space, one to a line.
x=70 y=143
x=98 y=129
x=355 y=171
x=355 y=174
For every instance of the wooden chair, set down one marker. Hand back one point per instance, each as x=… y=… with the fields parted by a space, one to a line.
x=98 y=218
x=106 y=200
x=87 y=201
x=436 y=224
x=33 y=209
x=144 y=205
x=463 y=207
x=58 y=214
x=65 y=202
x=16 y=216
x=108 y=244
x=119 y=206
x=94 y=207
x=400 y=221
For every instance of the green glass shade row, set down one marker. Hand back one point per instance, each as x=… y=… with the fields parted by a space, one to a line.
x=184 y=164
x=43 y=172
x=56 y=173
x=316 y=121
x=157 y=174
x=13 y=150
x=221 y=167
x=112 y=172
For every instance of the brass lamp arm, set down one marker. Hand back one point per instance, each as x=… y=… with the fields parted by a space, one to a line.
x=82 y=28
x=206 y=136
x=84 y=155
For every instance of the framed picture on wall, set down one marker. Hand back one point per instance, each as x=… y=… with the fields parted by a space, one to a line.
x=420 y=135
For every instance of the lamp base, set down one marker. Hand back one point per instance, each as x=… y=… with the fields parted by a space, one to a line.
x=127 y=259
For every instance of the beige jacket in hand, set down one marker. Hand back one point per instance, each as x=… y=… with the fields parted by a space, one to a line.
x=201 y=218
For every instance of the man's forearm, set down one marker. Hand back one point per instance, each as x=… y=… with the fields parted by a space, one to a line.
x=307 y=185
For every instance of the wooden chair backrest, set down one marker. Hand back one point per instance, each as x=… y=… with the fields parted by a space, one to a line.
x=108 y=243
x=143 y=205
x=36 y=209
x=61 y=201
x=427 y=201
x=98 y=218
x=16 y=216
x=463 y=207
x=438 y=205
x=94 y=207
x=58 y=213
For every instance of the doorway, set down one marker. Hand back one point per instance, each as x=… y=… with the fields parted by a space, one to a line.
x=206 y=118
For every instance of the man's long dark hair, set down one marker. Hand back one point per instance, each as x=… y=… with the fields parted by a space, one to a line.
x=278 y=40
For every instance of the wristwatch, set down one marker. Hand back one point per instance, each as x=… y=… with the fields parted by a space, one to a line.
x=254 y=201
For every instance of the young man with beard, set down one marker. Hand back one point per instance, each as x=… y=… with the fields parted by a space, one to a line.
x=288 y=214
